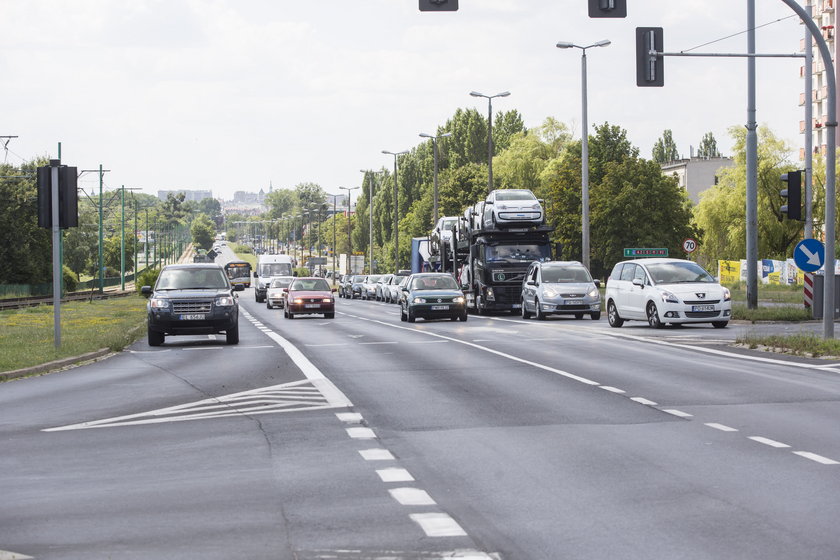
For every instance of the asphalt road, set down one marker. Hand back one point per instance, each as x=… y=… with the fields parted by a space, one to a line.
x=363 y=437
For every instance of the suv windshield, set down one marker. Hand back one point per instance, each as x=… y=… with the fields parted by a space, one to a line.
x=185 y=279
x=678 y=272
x=577 y=274
x=434 y=283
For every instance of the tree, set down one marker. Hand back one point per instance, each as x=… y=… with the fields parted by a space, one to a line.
x=27 y=249
x=280 y=202
x=708 y=147
x=720 y=212
x=203 y=232
x=665 y=149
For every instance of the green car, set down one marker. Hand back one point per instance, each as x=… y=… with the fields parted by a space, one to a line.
x=432 y=295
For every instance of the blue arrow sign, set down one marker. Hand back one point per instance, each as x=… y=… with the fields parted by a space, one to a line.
x=809 y=255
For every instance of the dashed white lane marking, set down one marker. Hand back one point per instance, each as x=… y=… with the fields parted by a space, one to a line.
x=205 y=348
x=384 y=342
x=768 y=441
x=817 y=458
x=325 y=345
x=412 y=497
x=721 y=427
x=612 y=389
x=642 y=400
x=439 y=525
x=395 y=475
x=425 y=342
x=376 y=455
x=349 y=417
x=679 y=413
x=361 y=433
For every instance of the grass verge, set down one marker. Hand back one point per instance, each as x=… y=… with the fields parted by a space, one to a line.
x=798 y=345
x=742 y=313
x=768 y=293
x=26 y=335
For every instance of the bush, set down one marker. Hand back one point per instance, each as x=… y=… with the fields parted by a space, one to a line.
x=146 y=278
x=301 y=271
x=239 y=248
x=69 y=278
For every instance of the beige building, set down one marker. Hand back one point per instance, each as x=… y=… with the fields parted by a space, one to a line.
x=824 y=16
x=696 y=174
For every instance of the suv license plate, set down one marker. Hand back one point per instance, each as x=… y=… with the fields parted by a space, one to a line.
x=702 y=308
x=193 y=317
x=440 y=308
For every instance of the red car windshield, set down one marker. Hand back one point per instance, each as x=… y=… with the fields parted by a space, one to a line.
x=310 y=285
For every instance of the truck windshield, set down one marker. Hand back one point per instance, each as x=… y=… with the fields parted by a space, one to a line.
x=517 y=252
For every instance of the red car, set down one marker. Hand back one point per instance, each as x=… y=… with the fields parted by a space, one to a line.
x=307 y=296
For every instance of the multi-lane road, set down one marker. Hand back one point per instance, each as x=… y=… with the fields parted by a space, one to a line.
x=366 y=438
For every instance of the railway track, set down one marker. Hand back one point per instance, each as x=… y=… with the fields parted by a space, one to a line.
x=32 y=301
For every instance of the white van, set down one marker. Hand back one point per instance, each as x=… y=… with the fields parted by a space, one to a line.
x=268 y=266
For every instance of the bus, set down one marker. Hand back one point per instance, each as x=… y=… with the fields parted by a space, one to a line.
x=239 y=273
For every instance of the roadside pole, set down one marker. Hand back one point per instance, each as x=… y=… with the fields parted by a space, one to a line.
x=56 y=253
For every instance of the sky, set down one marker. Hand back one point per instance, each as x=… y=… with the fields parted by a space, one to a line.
x=229 y=95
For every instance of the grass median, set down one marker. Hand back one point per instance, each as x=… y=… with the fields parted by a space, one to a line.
x=809 y=345
x=26 y=335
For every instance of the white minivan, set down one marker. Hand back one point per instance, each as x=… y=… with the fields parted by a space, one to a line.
x=663 y=291
x=268 y=266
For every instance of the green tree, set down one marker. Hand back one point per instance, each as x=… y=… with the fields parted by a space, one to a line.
x=665 y=149
x=27 y=249
x=708 y=147
x=203 y=232
x=281 y=202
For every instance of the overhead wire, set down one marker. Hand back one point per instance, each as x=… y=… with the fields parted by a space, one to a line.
x=739 y=33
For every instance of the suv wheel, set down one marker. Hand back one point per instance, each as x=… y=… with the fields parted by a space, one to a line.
x=653 y=316
x=155 y=338
x=232 y=335
x=613 y=317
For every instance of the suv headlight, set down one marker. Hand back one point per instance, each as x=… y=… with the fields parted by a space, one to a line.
x=224 y=301
x=668 y=297
x=458 y=300
x=727 y=296
x=158 y=303
x=419 y=300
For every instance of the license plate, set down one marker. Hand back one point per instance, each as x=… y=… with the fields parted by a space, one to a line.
x=193 y=317
x=516 y=306
x=702 y=307
x=440 y=307
x=312 y=305
x=574 y=302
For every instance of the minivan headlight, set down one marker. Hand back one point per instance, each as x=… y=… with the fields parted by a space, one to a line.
x=593 y=292
x=727 y=296
x=550 y=293
x=668 y=297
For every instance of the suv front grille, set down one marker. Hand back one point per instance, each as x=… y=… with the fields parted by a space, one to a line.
x=192 y=306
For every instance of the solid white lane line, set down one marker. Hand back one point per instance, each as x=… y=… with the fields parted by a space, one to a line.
x=376 y=455
x=395 y=475
x=412 y=497
x=642 y=400
x=679 y=413
x=205 y=348
x=770 y=442
x=361 y=433
x=384 y=342
x=721 y=427
x=612 y=389
x=6 y=555
x=817 y=458
x=496 y=352
x=323 y=345
x=349 y=417
x=439 y=525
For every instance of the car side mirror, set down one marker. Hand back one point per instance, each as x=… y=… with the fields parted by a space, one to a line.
x=639 y=283
x=333 y=290
x=597 y=283
x=146 y=291
x=285 y=290
x=256 y=275
x=530 y=283
x=239 y=288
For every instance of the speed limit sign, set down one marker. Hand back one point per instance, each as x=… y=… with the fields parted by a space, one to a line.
x=689 y=245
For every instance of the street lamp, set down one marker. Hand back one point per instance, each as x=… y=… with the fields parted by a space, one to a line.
x=435 y=150
x=396 y=211
x=489 y=133
x=349 y=241
x=584 y=156
x=370 y=212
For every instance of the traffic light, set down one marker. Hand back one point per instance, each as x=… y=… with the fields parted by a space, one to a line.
x=793 y=195
x=68 y=197
x=650 y=65
x=607 y=8
x=438 y=5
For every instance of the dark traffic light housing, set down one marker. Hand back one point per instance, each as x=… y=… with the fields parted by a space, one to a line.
x=438 y=5
x=650 y=64
x=607 y=8
x=792 y=194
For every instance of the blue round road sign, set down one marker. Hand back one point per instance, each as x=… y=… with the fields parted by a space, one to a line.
x=809 y=255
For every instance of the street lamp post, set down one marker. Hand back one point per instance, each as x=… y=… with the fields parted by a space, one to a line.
x=435 y=150
x=489 y=133
x=349 y=240
x=396 y=211
x=584 y=156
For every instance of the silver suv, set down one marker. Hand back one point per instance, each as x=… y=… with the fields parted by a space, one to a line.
x=560 y=287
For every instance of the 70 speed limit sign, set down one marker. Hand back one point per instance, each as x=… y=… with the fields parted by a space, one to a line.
x=689 y=245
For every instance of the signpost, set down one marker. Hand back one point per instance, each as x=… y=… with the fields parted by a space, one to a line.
x=689 y=245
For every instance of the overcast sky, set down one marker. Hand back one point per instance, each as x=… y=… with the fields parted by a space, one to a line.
x=234 y=95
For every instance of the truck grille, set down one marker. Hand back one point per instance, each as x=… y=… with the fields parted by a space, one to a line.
x=192 y=306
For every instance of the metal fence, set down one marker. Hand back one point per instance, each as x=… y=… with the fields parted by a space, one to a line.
x=45 y=289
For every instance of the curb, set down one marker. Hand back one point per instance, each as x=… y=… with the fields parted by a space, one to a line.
x=54 y=365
